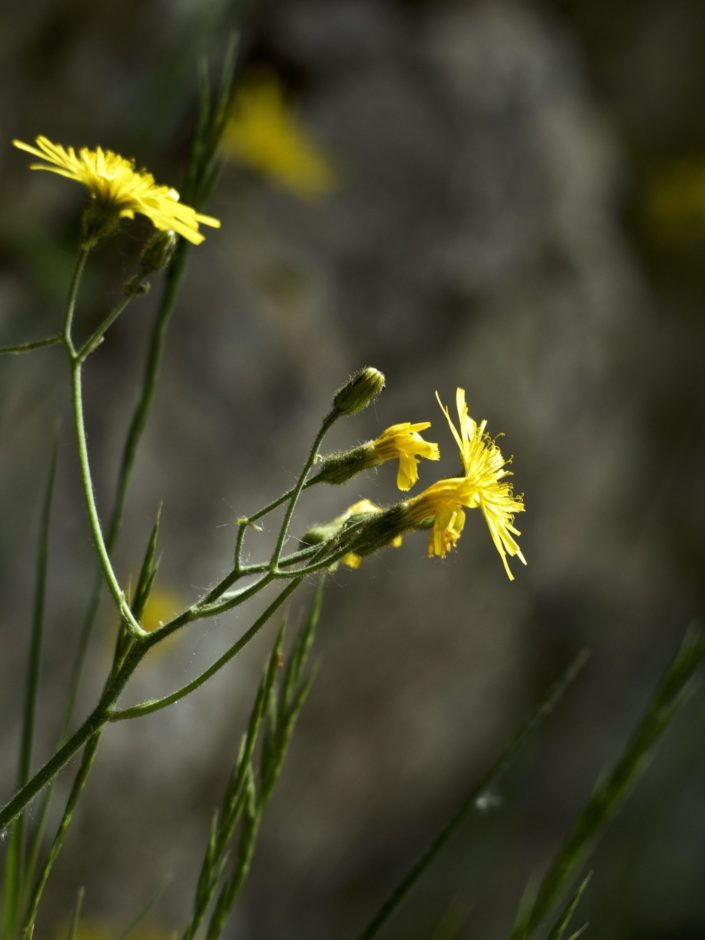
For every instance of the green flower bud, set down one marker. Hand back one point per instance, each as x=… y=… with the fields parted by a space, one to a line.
x=342 y=466
x=157 y=253
x=359 y=392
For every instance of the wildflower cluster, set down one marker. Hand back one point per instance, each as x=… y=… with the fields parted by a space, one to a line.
x=441 y=507
x=150 y=615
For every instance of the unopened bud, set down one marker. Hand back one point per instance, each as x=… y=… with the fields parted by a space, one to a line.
x=158 y=252
x=359 y=392
x=341 y=467
x=385 y=528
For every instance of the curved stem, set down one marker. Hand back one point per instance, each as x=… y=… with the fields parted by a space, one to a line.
x=34 y=344
x=73 y=294
x=296 y=492
x=154 y=705
x=139 y=419
x=87 y=481
x=96 y=337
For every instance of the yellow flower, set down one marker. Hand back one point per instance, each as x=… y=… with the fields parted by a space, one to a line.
x=400 y=442
x=403 y=441
x=352 y=559
x=117 y=188
x=264 y=133
x=483 y=486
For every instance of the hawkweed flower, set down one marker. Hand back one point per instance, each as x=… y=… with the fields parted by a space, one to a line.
x=400 y=442
x=404 y=442
x=264 y=133
x=484 y=486
x=117 y=191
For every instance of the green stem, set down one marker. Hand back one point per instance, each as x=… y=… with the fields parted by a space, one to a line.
x=73 y=294
x=18 y=869
x=96 y=337
x=139 y=419
x=95 y=720
x=76 y=790
x=96 y=530
x=296 y=492
x=34 y=344
x=154 y=705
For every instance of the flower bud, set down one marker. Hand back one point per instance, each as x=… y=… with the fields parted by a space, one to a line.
x=359 y=392
x=158 y=252
x=342 y=466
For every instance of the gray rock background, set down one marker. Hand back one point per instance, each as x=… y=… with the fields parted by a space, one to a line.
x=488 y=233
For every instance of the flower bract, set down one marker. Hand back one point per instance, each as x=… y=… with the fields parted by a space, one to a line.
x=118 y=189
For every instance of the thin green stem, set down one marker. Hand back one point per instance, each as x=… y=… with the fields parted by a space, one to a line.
x=34 y=344
x=96 y=337
x=73 y=294
x=174 y=276
x=208 y=607
x=284 y=530
x=153 y=705
x=89 y=497
x=285 y=562
x=95 y=720
x=76 y=790
x=17 y=869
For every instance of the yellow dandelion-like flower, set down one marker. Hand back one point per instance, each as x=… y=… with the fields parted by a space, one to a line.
x=352 y=559
x=118 y=189
x=404 y=442
x=483 y=486
x=263 y=133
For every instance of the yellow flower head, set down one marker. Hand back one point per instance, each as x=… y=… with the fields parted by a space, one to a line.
x=117 y=188
x=263 y=133
x=483 y=486
x=404 y=442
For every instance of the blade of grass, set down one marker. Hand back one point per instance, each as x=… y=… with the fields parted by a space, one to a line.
x=567 y=915
x=678 y=683
x=78 y=784
x=488 y=781
x=15 y=871
x=75 y=919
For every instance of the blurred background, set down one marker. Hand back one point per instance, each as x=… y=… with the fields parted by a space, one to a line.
x=507 y=196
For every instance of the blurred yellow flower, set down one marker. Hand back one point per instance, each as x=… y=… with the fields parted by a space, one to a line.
x=99 y=931
x=264 y=133
x=162 y=605
x=117 y=188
